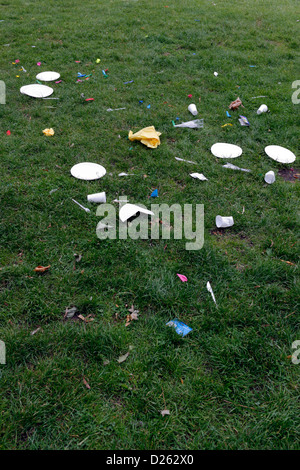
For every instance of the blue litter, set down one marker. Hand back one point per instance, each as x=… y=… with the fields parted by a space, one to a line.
x=131 y=81
x=154 y=193
x=81 y=74
x=229 y=115
x=149 y=106
x=180 y=328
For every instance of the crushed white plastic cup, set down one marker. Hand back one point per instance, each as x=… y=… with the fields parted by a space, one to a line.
x=262 y=109
x=192 y=109
x=223 y=222
x=270 y=177
x=97 y=197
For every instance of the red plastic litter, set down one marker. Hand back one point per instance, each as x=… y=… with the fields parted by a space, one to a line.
x=89 y=99
x=8 y=132
x=190 y=96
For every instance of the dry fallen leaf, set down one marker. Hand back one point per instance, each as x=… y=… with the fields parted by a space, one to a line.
x=42 y=269
x=123 y=358
x=106 y=362
x=35 y=331
x=165 y=412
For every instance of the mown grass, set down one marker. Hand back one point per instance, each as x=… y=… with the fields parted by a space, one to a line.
x=229 y=384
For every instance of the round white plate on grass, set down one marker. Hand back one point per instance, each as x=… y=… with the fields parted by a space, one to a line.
x=280 y=154
x=88 y=171
x=48 y=76
x=36 y=90
x=222 y=150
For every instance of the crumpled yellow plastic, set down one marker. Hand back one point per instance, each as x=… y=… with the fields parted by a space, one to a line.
x=48 y=132
x=147 y=136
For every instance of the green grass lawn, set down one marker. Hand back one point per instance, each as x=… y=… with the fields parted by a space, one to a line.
x=230 y=383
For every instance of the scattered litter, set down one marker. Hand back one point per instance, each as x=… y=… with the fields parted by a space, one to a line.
x=149 y=106
x=97 y=197
x=154 y=193
x=196 y=124
x=104 y=73
x=216 y=74
x=82 y=207
x=223 y=150
x=209 y=288
x=165 y=412
x=235 y=104
x=130 y=81
x=182 y=277
x=23 y=69
x=129 y=210
x=193 y=109
x=233 y=167
x=187 y=161
x=180 y=327
x=269 y=177
x=36 y=90
x=8 y=132
x=147 y=136
x=228 y=115
x=190 y=96
x=48 y=76
x=42 y=269
x=98 y=61
x=116 y=109
x=53 y=191
x=244 y=121
x=39 y=64
x=261 y=96
x=262 y=109
x=224 y=222
x=80 y=75
x=125 y=174
x=280 y=154
x=35 y=331
x=88 y=171
x=227 y=124
x=77 y=257
x=70 y=312
x=199 y=176
x=48 y=132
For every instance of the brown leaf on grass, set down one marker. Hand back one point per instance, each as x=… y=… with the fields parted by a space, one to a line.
x=42 y=269
x=70 y=312
x=165 y=412
x=85 y=383
x=288 y=262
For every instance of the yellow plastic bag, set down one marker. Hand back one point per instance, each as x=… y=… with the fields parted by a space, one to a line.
x=147 y=136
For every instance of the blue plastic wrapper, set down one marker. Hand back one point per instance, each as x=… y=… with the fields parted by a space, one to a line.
x=180 y=328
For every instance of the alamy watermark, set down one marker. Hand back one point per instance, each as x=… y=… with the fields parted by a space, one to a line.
x=295 y=99
x=2 y=352
x=295 y=359
x=182 y=222
x=2 y=92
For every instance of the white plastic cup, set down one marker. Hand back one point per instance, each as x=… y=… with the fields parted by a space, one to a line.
x=262 y=109
x=97 y=197
x=223 y=222
x=270 y=177
x=192 y=109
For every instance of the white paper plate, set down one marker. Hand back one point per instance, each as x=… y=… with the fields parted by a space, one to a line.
x=280 y=154
x=222 y=150
x=48 y=76
x=36 y=90
x=88 y=171
x=129 y=210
